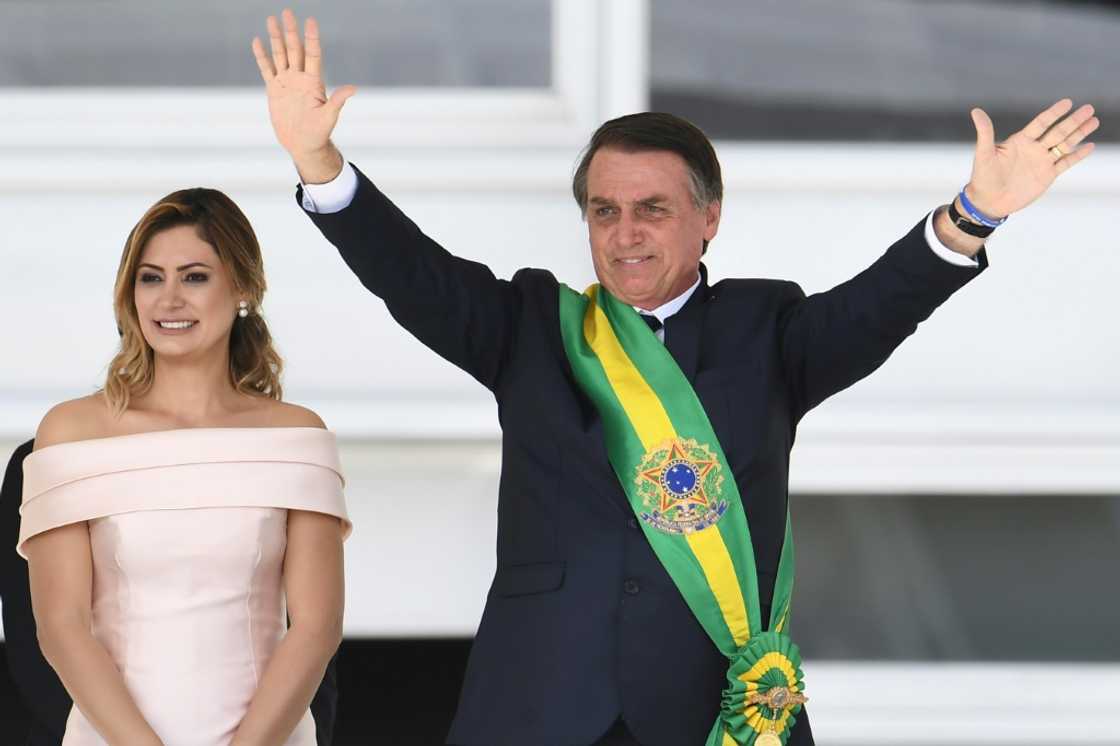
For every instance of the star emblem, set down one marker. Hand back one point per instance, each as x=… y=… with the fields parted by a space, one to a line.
x=680 y=479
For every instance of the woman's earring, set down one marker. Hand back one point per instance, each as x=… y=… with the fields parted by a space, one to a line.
x=243 y=309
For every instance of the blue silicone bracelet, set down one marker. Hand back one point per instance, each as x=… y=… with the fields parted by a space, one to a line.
x=978 y=216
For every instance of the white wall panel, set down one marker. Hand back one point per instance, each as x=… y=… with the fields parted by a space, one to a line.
x=916 y=704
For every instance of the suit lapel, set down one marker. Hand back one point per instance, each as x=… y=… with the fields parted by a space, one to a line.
x=683 y=329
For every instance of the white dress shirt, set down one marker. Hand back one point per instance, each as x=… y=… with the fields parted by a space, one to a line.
x=665 y=310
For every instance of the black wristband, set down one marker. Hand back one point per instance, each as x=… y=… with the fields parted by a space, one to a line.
x=966 y=225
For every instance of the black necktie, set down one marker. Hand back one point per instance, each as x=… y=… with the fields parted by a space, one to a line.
x=652 y=322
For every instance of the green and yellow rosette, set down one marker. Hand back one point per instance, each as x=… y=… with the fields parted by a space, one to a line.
x=674 y=472
x=764 y=692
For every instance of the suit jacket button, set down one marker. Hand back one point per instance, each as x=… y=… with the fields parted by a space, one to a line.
x=632 y=523
x=631 y=587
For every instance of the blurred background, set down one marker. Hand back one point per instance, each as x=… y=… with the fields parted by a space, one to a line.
x=957 y=514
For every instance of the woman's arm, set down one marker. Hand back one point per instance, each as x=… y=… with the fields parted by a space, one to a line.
x=60 y=570
x=61 y=573
x=313 y=583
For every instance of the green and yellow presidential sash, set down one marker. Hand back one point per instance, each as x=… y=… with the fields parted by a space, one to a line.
x=674 y=472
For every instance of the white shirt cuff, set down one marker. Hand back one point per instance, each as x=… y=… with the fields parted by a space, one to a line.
x=944 y=251
x=334 y=196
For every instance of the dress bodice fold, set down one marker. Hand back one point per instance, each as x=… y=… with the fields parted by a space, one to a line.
x=291 y=467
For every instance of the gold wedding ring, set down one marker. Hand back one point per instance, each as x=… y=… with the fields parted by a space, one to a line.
x=1056 y=152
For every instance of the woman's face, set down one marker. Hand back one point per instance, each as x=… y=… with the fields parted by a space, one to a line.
x=185 y=299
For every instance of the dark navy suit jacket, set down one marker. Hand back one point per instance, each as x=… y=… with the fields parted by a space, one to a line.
x=582 y=624
x=35 y=680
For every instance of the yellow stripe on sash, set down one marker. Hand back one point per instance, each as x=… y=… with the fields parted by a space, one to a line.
x=782 y=622
x=643 y=407
x=711 y=551
x=652 y=424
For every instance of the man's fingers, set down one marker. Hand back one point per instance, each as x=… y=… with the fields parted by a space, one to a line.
x=339 y=97
x=1071 y=160
x=1069 y=145
x=268 y=72
x=313 y=52
x=985 y=133
x=1044 y=121
x=291 y=40
x=279 y=53
x=1063 y=129
x=1083 y=131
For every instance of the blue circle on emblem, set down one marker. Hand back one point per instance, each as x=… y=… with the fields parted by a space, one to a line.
x=680 y=478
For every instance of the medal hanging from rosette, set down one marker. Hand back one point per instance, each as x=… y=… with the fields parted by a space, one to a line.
x=668 y=460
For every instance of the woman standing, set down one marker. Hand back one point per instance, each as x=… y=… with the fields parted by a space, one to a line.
x=173 y=520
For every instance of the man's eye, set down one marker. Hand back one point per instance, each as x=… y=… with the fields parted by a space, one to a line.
x=653 y=208
x=604 y=211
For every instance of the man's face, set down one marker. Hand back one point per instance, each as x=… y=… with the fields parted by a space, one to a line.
x=646 y=232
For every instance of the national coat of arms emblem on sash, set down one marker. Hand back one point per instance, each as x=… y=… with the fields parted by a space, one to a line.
x=681 y=484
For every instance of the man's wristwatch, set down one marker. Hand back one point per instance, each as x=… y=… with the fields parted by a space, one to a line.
x=966 y=225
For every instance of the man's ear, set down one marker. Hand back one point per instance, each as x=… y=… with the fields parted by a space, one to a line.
x=711 y=219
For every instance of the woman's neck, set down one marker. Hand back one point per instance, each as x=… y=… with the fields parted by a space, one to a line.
x=191 y=392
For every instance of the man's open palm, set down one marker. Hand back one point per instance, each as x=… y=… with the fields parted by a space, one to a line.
x=1008 y=176
x=303 y=117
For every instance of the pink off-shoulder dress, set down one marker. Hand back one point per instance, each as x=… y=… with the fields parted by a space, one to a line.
x=188 y=530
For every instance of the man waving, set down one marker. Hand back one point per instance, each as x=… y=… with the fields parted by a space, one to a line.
x=645 y=558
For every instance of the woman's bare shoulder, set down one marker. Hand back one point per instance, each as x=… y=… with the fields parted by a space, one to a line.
x=84 y=418
x=284 y=414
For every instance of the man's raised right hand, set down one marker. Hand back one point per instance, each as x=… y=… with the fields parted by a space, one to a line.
x=303 y=117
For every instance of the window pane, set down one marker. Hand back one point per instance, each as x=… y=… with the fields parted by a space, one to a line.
x=880 y=69
x=967 y=578
x=464 y=43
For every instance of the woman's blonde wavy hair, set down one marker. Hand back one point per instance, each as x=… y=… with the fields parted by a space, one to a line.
x=254 y=365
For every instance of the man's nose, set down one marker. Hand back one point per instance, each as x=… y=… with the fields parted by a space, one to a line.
x=629 y=231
